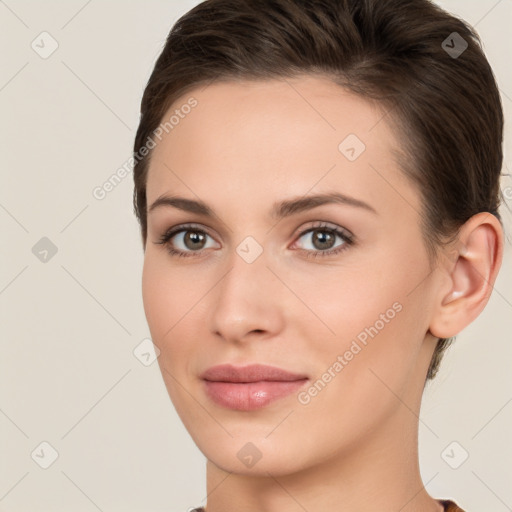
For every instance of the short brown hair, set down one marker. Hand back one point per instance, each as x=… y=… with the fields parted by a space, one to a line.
x=445 y=107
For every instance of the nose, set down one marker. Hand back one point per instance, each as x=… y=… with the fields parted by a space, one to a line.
x=249 y=301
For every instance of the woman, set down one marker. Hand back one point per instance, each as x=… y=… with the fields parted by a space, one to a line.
x=317 y=185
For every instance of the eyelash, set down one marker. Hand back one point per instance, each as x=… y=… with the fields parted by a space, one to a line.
x=347 y=238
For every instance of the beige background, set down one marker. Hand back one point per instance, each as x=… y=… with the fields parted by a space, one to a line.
x=68 y=374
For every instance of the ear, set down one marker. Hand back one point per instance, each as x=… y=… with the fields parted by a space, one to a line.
x=470 y=275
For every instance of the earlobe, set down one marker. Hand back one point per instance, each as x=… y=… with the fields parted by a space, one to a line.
x=471 y=275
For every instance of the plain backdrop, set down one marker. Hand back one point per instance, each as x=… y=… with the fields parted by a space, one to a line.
x=70 y=282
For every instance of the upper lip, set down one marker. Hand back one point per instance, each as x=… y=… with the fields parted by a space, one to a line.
x=250 y=373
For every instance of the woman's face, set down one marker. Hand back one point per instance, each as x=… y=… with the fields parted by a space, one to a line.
x=336 y=292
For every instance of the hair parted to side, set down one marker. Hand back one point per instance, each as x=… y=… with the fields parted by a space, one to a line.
x=446 y=112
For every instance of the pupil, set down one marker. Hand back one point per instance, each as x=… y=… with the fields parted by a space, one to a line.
x=194 y=238
x=321 y=237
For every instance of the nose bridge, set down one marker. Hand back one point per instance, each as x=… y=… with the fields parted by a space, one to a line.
x=248 y=263
x=247 y=297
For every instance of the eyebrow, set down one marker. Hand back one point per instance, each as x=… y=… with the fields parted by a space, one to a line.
x=279 y=210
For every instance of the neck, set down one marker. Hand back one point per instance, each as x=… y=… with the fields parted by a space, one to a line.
x=381 y=474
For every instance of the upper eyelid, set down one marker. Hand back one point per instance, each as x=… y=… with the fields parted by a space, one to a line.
x=188 y=227
x=299 y=232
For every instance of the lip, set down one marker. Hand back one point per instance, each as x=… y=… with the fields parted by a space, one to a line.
x=247 y=388
x=249 y=373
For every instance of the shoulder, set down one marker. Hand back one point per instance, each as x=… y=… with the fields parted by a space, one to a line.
x=450 y=506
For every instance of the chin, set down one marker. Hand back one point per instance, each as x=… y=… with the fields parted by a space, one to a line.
x=253 y=455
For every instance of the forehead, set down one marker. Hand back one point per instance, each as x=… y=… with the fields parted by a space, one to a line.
x=276 y=137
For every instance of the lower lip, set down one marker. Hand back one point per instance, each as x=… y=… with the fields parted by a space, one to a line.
x=249 y=396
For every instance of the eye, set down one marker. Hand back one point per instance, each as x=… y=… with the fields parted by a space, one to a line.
x=322 y=240
x=191 y=240
x=185 y=240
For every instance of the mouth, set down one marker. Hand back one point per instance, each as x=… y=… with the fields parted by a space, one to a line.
x=250 y=387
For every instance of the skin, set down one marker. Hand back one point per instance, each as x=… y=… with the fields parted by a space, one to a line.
x=353 y=447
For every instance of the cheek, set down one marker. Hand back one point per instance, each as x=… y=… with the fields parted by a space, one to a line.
x=346 y=301
x=172 y=305
x=367 y=314
x=154 y=295
x=360 y=374
x=164 y=305
x=163 y=310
